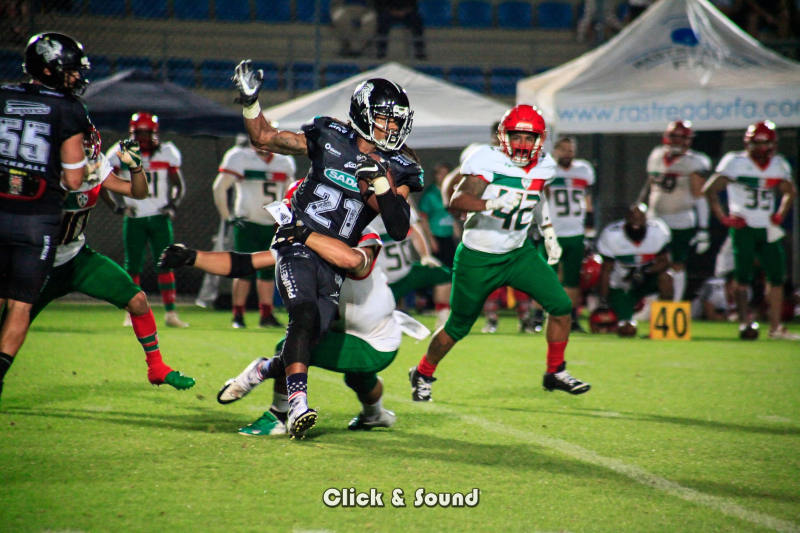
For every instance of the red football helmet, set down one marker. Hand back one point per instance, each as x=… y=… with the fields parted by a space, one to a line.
x=143 y=128
x=527 y=119
x=761 y=140
x=91 y=143
x=678 y=136
x=590 y=271
x=287 y=198
x=603 y=321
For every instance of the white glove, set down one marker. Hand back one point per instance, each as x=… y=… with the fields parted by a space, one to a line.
x=430 y=261
x=701 y=241
x=551 y=245
x=505 y=204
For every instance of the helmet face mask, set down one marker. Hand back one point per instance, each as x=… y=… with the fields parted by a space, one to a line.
x=57 y=61
x=143 y=128
x=522 y=133
x=678 y=136
x=761 y=141
x=375 y=107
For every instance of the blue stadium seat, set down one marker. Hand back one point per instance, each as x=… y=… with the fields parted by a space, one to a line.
x=217 y=74
x=503 y=81
x=434 y=72
x=302 y=75
x=515 y=15
x=436 y=13
x=149 y=9
x=107 y=8
x=274 y=11
x=232 y=10
x=469 y=77
x=142 y=63
x=337 y=73
x=304 y=10
x=101 y=68
x=10 y=66
x=271 y=75
x=474 y=14
x=190 y=9
x=181 y=72
x=555 y=16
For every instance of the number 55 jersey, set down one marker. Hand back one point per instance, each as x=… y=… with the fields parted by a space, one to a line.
x=671 y=197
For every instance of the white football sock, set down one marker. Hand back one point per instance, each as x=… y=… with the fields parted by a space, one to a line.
x=679 y=284
x=280 y=402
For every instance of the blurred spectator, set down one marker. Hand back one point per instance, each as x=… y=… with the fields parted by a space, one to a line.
x=354 y=23
x=438 y=219
x=391 y=12
x=770 y=15
x=15 y=17
x=588 y=23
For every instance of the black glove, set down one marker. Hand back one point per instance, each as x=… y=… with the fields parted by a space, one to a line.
x=249 y=82
x=369 y=170
x=291 y=234
x=176 y=256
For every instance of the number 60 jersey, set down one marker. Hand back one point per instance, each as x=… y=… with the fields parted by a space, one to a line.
x=328 y=200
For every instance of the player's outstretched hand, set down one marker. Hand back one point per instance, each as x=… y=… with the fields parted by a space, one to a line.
x=129 y=153
x=291 y=234
x=248 y=81
x=505 y=203
x=176 y=256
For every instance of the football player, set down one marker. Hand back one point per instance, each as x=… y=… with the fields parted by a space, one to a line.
x=259 y=178
x=501 y=188
x=357 y=170
x=635 y=255
x=674 y=193
x=752 y=178
x=42 y=124
x=150 y=220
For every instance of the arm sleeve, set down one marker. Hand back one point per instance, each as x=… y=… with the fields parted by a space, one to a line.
x=74 y=119
x=396 y=215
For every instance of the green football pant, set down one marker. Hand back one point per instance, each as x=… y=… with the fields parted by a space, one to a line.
x=89 y=273
x=624 y=302
x=477 y=274
x=679 y=245
x=420 y=277
x=250 y=238
x=137 y=233
x=571 y=261
x=750 y=244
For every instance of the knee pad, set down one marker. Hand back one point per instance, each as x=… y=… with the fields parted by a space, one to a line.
x=361 y=384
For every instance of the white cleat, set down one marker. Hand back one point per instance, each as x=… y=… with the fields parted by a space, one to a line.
x=127 y=322
x=172 y=320
x=240 y=386
x=385 y=419
x=784 y=334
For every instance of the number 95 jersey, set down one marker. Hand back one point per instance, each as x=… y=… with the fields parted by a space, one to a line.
x=567 y=197
x=496 y=232
x=328 y=200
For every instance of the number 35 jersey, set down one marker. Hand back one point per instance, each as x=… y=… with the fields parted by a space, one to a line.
x=751 y=192
x=328 y=200
x=258 y=181
x=157 y=167
x=496 y=232
x=567 y=197
x=671 y=197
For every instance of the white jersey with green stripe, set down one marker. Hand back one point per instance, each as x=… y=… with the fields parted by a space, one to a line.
x=260 y=180
x=628 y=255
x=157 y=167
x=671 y=197
x=751 y=191
x=396 y=258
x=496 y=232
x=567 y=197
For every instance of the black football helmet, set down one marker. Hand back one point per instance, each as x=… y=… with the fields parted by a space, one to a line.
x=381 y=97
x=59 y=54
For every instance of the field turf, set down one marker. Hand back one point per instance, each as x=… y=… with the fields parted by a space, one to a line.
x=674 y=436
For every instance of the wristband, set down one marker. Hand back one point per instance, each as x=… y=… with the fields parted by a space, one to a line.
x=381 y=185
x=72 y=166
x=252 y=112
x=366 y=259
x=134 y=170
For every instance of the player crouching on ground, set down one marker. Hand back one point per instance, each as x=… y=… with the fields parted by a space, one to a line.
x=635 y=255
x=502 y=186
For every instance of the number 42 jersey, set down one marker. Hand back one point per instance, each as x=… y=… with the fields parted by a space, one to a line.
x=328 y=200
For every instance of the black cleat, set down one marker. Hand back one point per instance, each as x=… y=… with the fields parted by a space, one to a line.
x=238 y=322
x=748 y=332
x=562 y=380
x=420 y=386
x=576 y=328
x=269 y=322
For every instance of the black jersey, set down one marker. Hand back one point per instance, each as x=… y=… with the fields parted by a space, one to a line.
x=328 y=200
x=34 y=122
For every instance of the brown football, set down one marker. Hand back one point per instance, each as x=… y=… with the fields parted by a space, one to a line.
x=370 y=199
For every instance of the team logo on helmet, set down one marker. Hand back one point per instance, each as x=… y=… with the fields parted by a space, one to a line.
x=363 y=95
x=51 y=50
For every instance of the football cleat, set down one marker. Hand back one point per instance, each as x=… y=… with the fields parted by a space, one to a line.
x=748 y=332
x=491 y=325
x=576 y=328
x=530 y=324
x=269 y=322
x=172 y=320
x=238 y=322
x=562 y=380
x=267 y=424
x=420 y=386
x=783 y=334
x=240 y=386
x=385 y=419
x=179 y=381
x=300 y=419
x=127 y=323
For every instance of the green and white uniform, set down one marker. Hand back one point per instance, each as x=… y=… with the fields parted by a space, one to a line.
x=77 y=267
x=495 y=250
x=671 y=197
x=751 y=196
x=257 y=183
x=567 y=199
x=628 y=256
x=147 y=224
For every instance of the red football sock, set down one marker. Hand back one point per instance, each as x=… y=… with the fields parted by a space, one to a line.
x=555 y=355
x=426 y=368
x=238 y=310
x=166 y=284
x=135 y=278
x=144 y=326
x=265 y=310
x=440 y=307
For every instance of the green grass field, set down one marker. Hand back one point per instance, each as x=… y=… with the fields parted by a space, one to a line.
x=674 y=436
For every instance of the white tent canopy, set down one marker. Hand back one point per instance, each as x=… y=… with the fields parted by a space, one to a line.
x=445 y=116
x=681 y=59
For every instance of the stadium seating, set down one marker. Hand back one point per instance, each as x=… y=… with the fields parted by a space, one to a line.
x=436 y=13
x=474 y=14
x=101 y=67
x=300 y=77
x=515 y=15
x=304 y=11
x=190 y=9
x=554 y=16
x=503 y=81
x=469 y=77
x=10 y=66
x=434 y=72
x=217 y=74
x=271 y=75
x=273 y=11
x=232 y=10
x=181 y=72
x=107 y=8
x=336 y=73
x=142 y=63
x=149 y=9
